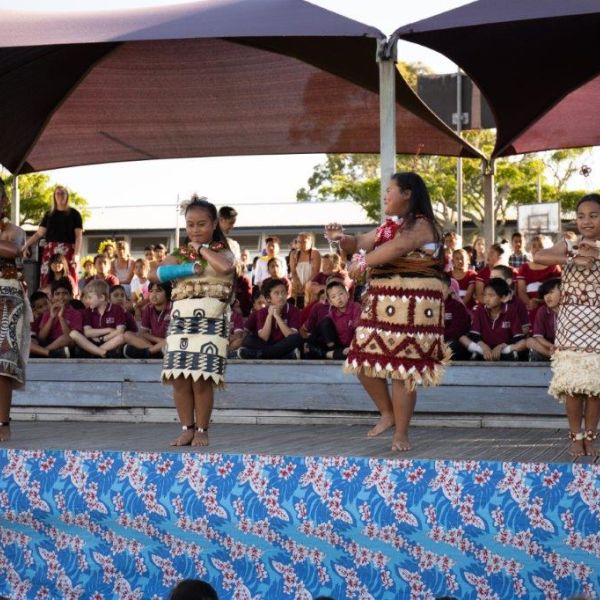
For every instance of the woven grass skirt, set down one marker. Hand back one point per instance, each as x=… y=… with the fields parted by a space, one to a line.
x=15 y=339
x=401 y=331
x=197 y=341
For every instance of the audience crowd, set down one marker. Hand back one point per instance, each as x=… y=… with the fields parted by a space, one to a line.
x=499 y=303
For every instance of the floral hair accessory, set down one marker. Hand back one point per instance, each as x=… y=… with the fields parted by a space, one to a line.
x=360 y=258
x=104 y=243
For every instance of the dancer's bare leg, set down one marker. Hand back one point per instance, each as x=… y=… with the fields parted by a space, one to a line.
x=377 y=389
x=6 y=387
x=591 y=417
x=574 y=408
x=203 y=404
x=184 y=403
x=404 y=406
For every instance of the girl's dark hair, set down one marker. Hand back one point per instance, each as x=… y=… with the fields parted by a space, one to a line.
x=498 y=248
x=589 y=198
x=547 y=286
x=499 y=286
x=256 y=294
x=57 y=258
x=77 y=304
x=38 y=295
x=114 y=288
x=269 y=285
x=165 y=286
x=193 y=589
x=420 y=203
x=333 y=282
x=211 y=209
x=507 y=272
x=61 y=284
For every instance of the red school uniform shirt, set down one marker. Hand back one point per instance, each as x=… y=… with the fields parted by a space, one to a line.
x=545 y=324
x=486 y=274
x=156 y=321
x=236 y=322
x=110 y=279
x=533 y=278
x=504 y=329
x=112 y=317
x=290 y=316
x=72 y=316
x=346 y=321
x=457 y=320
x=464 y=283
x=519 y=306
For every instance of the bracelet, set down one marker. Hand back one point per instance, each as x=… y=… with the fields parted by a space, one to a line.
x=360 y=258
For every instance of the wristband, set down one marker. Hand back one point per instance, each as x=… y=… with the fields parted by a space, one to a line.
x=507 y=349
x=360 y=258
x=169 y=272
x=475 y=347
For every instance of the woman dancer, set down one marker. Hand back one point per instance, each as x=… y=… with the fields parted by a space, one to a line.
x=194 y=362
x=576 y=360
x=400 y=333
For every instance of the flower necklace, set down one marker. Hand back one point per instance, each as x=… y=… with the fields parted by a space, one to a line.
x=188 y=253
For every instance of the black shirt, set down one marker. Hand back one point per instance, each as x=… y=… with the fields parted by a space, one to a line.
x=61 y=225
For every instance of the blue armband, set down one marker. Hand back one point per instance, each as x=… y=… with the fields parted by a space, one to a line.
x=169 y=272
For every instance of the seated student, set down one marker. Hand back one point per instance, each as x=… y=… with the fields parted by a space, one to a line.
x=331 y=266
x=332 y=327
x=496 y=332
x=258 y=301
x=457 y=321
x=39 y=305
x=274 y=268
x=236 y=333
x=272 y=332
x=541 y=344
x=88 y=273
x=139 y=286
x=464 y=276
x=118 y=296
x=315 y=305
x=494 y=257
x=59 y=320
x=156 y=316
x=102 y=268
x=508 y=274
x=58 y=268
x=103 y=323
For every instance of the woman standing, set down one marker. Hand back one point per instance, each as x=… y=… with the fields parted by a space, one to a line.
x=401 y=329
x=305 y=264
x=576 y=359
x=122 y=266
x=195 y=358
x=62 y=228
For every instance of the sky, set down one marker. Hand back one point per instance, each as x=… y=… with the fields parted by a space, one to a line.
x=266 y=179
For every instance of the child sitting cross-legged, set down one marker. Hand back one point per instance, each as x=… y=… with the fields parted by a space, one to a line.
x=118 y=296
x=496 y=331
x=331 y=326
x=152 y=337
x=541 y=344
x=272 y=332
x=59 y=321
x=275 y=272
x=103 y=323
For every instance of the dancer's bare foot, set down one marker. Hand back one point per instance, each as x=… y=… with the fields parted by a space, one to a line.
x=576 y=447
x=384 y=423
x=186 y=437
x=4 y=432
x=200 y=437
x=588 y=443
x=400 y=443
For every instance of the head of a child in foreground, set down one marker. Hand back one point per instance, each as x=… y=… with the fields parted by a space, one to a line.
x=258 y=300
x=274 y=268
x=495 y=293
x=61 y=291
x=141 y=268
x=159 y=294
x=95 y=294
x=549 y=292
x=337 y=294
x=275 y=293
x=39 y=303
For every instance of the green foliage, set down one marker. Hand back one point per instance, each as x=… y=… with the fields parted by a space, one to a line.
x=36 y=192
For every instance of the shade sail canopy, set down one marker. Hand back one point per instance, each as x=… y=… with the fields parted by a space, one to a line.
x=214 y=78
x=536 y=62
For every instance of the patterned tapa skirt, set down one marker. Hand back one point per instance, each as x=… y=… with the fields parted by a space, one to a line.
x=15 y=337
x=576 y=360
x=197 y=341
x=401 y=331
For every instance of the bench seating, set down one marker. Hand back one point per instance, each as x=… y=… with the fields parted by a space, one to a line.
x=284 y=391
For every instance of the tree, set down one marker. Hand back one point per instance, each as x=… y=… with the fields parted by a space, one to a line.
x=36 y=193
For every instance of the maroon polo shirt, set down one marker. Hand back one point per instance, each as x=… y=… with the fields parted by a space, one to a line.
x=290 y=316
x=156 y=321
x=36 y=323
x=457 y=320
x=112 y=317
x=516 y=304
x=73 y=317
x=345 y=322
x=317 y=313
x=110 y=279
x=130 y=323
x=236 y=322
x=505 y=329
x=545 y=324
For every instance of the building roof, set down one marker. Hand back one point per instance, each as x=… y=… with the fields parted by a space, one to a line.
x=268 y=215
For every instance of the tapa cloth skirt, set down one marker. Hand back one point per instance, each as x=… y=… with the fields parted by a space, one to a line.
x=15 y=337
x=400 y=333
x=197 y=341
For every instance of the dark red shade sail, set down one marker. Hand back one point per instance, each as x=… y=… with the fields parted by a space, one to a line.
x=215 y=78
x=536 y=62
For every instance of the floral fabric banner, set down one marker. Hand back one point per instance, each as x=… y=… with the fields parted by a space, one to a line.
x=99 y=525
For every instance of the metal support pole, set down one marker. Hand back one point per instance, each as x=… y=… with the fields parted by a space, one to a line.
x=489 y=220
x=386 y=58
x=177 y=223
x=459 y=165
x=15 y=204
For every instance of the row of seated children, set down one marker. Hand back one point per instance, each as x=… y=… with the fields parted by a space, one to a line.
x=102 y=325
x=498 y=329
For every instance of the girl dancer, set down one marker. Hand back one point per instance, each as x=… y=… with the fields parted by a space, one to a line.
x=195 y=357
x=576 y=360
x=400 y=333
